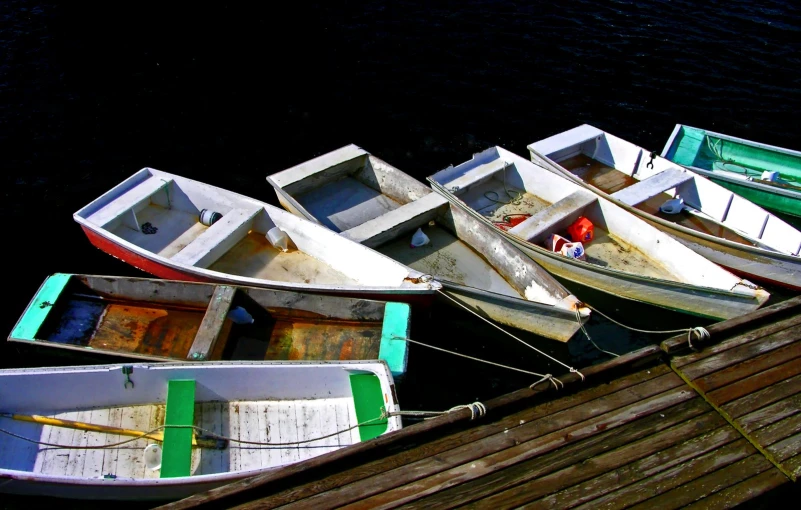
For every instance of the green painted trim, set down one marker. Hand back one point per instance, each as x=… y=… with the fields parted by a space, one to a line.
x=36 y=313
x=397 y=323
x=176 y=456
x=764 y=198
x=368 y=400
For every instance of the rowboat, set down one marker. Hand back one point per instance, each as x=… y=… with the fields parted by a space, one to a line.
x=162 y=320
x=190 y=427
x=718 y=224
x=369 y=201
x=181 y=229
x=766 y=175
x=626 y=257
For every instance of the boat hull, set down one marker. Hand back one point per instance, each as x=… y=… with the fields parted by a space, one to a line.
x=546 y=321
x=681 y=298
x=156 y=268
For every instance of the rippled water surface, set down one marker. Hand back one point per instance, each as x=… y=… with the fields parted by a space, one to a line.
x=228 y=95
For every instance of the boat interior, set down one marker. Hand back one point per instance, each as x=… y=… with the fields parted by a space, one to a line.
x=161 y=213
x=263 y=404
x=369 y=201
x=500 y=185
x=157 y=319
x=648 y=182
x=718 y=153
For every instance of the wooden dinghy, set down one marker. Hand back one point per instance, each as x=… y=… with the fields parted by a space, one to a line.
x=627 y=258
x=371 y=202
x=720 y=225
x=181 y=229
x=766 y=175
x=148 y=319
x=252 y=417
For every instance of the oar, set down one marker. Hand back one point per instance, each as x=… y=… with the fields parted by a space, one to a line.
x=199 y=441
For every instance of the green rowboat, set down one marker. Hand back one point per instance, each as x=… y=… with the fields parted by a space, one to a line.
x=764 y=174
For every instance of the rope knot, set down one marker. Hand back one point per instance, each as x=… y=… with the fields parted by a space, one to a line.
x=477 y=409
x=701 y=333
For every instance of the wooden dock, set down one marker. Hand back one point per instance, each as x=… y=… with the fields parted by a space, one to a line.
x=661 y=427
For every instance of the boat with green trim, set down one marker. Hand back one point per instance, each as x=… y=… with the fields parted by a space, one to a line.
x=708 y=218
x=367 y=200
x=162 y=320
x=164 y=431
x=764 y=174
x=625 y=257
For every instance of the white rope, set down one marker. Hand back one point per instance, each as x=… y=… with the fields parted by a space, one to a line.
x=543 y=377
x=477 y=410
x=578 y=318
x=699 y=331
x=513 y=336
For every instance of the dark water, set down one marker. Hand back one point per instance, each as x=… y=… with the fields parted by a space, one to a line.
x=230 y=94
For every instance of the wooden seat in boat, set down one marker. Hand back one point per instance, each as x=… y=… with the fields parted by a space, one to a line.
x=217 y=239
x=374 y=232
x=134 y=199
x=652 y=186
x=555 y=217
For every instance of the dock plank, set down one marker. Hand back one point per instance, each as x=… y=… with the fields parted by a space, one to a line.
x=686 y=418
x=769 y=317
x=766 y=436
x=771 y=413
x=787 y=447
x=674 y=477
x=585 y=481
x=475 y=460
x=741 y=492
x=711 y=350
x=709 y=484
x=761 y=398
x=756 y=382
x=740 y=353
x=616 y=473
x=746 y=368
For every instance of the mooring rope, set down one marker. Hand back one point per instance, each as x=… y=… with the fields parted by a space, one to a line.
x=571 y=369
x=699 y=331
x=513 y=199
x=543 y=377
x=584 y=330
x=477 y=410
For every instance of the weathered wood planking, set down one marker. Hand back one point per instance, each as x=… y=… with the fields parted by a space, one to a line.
x=754 y=379
x=642 y=439
x=766 y=316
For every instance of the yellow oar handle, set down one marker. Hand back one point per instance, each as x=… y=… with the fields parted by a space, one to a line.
x=79 y=425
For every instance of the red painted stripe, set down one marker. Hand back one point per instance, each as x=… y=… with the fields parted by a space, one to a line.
x=157 y=269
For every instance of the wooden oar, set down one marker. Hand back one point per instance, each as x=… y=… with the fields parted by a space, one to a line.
x=199 y=441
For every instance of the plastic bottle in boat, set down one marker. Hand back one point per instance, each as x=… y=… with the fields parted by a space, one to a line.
x=419 y=239
x=239 y=315
x=278 y=238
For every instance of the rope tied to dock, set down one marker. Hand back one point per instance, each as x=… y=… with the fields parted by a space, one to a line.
x=699 y=331
x=548 y=376
x=477 y=410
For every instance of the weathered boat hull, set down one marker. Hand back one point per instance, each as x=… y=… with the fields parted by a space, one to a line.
x=369 y=201
x=169 y=320
x=318 y=388
x=720 y=296
x=764 y=265
x=548 y=321
x=158 y=268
